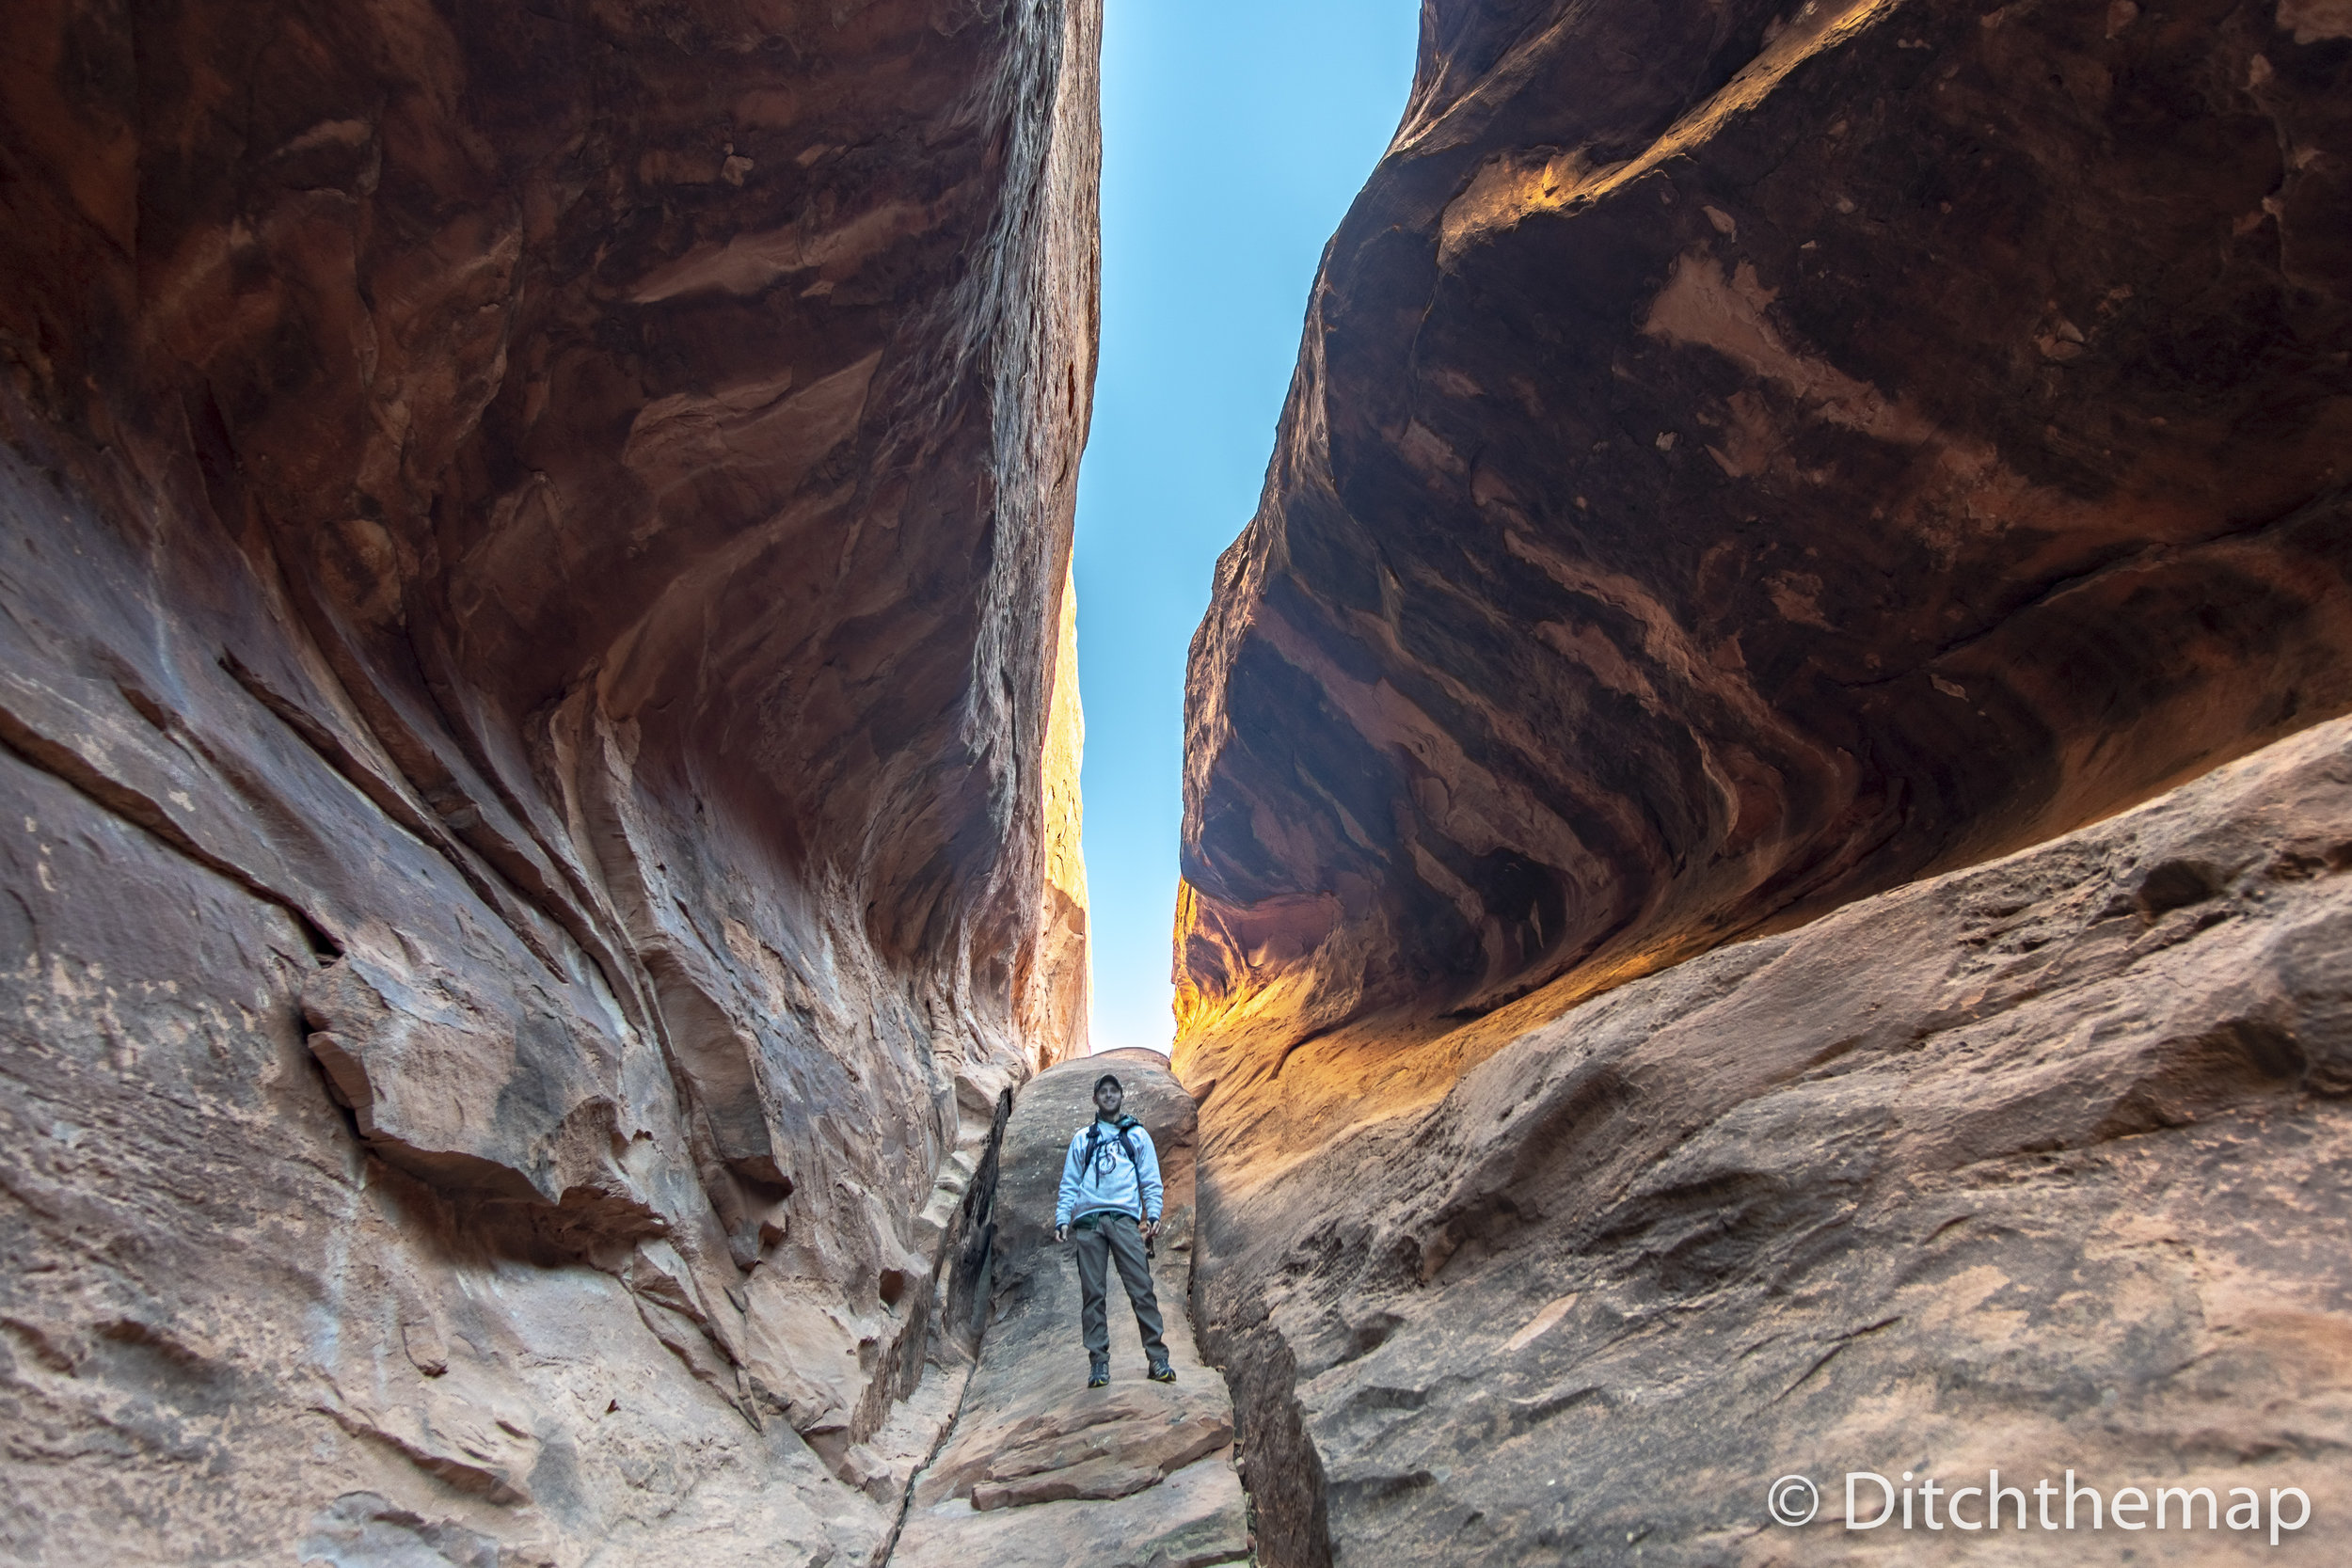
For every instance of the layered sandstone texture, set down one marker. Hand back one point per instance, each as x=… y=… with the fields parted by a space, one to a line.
x=533 y=544
x=2038 y=1167
x=1747 y=456
x=1041 y=1471
x=1748 y=466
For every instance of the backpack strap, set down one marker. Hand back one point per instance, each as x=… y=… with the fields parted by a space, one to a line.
x=1125 y=1129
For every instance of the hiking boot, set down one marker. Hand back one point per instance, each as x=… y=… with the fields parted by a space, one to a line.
x=1161 y=1372
x=1100 y=1373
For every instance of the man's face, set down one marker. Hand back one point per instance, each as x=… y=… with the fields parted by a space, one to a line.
x=1108 y=1098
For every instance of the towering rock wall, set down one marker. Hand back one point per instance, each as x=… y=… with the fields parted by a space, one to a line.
x=1745 y=457
x=1745 y=463
x=533 y=539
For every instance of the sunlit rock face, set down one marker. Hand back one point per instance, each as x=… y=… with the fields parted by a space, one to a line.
x=2037 y=1167
x=533 y=544
x=1742 y=460
x=1063 y=986
x=1746 y=465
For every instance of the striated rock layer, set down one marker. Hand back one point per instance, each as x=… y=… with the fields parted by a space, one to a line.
x=2034 y=1168
x=533 y=543
x=1742 y=459
x=1747 y=465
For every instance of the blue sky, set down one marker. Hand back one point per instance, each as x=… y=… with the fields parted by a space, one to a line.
x=1234 y=134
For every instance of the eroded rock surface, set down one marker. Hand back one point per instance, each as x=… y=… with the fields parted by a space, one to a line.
x=1042 y=1471
x=533 y=544
x=2037 y=1167
x=1747 y=464
x=1744 y=458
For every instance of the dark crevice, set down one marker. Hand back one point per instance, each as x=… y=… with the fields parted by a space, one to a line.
x=1282 y=1470
x=964 y=1307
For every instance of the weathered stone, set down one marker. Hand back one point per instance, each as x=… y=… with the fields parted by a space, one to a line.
x=533 y=545
x=2037 y=1167
x=1744 y=458
x=1041 y=1470
x=1192 y=1521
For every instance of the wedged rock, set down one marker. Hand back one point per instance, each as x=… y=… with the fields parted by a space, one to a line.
x=1095 y=1448
x=2038 y=1167
x=1038 y=1469
x=1191 y=1521
x=539 y=747
x=1744 y=457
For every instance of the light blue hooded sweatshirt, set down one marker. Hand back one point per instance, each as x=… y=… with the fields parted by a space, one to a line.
x=1112 y=1180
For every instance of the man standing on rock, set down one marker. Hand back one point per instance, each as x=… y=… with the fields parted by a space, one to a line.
x=1111 y=1196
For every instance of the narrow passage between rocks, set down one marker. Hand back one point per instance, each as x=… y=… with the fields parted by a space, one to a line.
x=1039 y=1471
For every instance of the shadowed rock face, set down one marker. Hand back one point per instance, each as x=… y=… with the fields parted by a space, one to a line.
x=533 y=544
x=1742 y=461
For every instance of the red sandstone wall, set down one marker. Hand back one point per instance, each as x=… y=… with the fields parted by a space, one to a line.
x=531 y=540
x=1745 y=463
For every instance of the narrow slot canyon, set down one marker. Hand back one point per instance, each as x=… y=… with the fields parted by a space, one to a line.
x=1035 y=1472
x=1760 y=921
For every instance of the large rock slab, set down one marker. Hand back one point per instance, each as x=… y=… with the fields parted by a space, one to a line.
x=1192 y=1521
x=1744 y=457
x=1039 y=1470
x=2041 y=1166
x=540 y=753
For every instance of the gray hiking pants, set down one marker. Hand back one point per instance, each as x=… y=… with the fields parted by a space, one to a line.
x=1102 y=1236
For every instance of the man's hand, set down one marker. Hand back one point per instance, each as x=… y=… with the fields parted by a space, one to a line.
x=1061 y=1232
x=1151 y=1229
